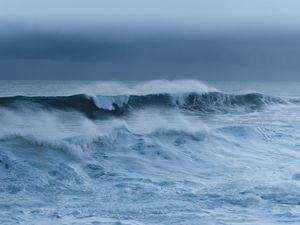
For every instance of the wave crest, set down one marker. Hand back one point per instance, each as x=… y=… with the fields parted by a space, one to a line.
x=97 y=106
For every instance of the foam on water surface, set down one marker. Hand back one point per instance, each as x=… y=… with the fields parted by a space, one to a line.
x=158 y=152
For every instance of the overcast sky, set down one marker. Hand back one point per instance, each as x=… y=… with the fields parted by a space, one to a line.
x=155 y=12
x=49 y=39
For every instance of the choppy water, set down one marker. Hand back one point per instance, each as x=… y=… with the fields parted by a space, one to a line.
x=158 y=152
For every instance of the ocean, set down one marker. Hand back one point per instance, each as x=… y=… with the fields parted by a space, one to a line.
x=153 y=152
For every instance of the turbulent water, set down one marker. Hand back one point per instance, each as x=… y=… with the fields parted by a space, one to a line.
x=157 y=152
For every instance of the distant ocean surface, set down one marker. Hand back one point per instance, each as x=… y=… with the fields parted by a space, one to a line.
x=155 y=152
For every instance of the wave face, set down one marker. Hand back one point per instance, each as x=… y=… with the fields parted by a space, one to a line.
x=92 y=106
x=158 y=152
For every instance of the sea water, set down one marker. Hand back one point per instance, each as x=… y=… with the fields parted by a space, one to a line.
x=156 y=152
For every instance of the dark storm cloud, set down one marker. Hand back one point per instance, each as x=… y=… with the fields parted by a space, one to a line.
x=137 y=39
x=39 y=55
x=202 y=49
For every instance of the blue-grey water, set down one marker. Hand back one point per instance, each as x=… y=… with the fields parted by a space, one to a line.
x=156 y=152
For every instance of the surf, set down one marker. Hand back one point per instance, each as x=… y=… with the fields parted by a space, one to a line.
x=157 y=155
x=95 y=106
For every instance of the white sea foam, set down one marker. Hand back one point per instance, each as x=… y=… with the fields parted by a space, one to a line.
x=153 y=165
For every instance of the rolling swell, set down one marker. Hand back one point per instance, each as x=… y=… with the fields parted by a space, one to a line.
x=101 y=106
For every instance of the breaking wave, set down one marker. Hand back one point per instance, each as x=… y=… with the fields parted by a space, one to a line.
x=139 y=156
x=94 y=106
